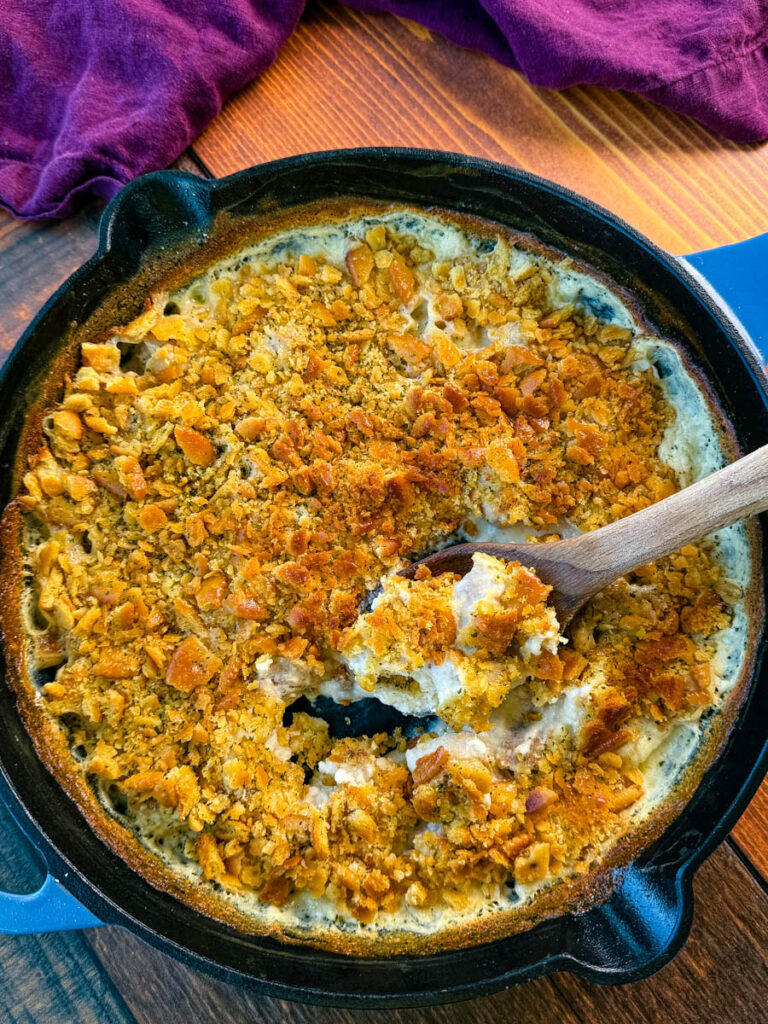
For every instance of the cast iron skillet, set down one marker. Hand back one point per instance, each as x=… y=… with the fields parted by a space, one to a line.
x=646 y=921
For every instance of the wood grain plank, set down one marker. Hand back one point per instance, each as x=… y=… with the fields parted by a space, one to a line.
x=35 y=258
x=730 y=929
x=350 y=79
x=187 y=995
x=751 y=831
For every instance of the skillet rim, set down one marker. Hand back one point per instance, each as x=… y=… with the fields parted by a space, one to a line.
x=681 y=881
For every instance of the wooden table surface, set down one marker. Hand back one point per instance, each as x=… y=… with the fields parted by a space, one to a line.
x=348 y=79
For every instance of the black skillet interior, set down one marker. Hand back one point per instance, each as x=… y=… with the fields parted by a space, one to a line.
x=647 y=919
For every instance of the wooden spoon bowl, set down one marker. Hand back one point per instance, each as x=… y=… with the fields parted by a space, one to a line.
x=579 y=567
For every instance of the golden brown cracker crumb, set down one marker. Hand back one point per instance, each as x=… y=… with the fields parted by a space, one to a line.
x=208 y=513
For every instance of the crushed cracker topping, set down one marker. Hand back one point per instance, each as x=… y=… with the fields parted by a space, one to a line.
x=224 y=482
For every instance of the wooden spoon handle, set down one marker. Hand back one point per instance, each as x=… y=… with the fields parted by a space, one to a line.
x=730 y=494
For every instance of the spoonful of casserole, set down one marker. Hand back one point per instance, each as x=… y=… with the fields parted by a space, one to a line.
x=579 y=567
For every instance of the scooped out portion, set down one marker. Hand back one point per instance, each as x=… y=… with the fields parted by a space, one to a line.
x=454 y=646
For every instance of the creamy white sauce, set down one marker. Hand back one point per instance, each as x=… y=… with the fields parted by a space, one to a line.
x=457 y=744
x=568 y=712
x=330 y=243
x=481 y=583
x=356 y=774
x=691 y=444
x=569 y=285
x=274 y=746
x=425 y=689
x=447 y=683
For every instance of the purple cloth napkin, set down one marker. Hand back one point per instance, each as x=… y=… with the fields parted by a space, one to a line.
x=94 y=92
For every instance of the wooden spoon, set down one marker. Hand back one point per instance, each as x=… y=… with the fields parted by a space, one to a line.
x=579 y=567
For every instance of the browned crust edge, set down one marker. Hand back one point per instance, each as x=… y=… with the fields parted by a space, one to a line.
x=169 y=270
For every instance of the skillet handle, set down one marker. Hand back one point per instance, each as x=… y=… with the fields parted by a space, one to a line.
x=738 y=273
x=51 y=909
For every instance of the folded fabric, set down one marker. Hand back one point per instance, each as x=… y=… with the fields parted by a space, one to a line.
x=94 y=93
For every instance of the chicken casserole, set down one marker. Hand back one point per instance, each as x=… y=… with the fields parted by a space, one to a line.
x=204 y=550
